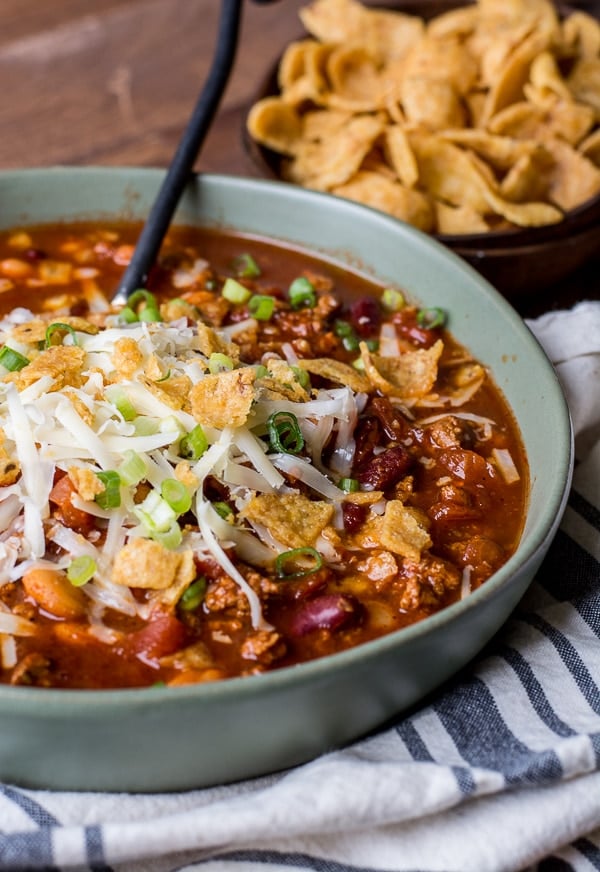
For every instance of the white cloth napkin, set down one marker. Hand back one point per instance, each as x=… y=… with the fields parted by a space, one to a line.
x=499 y=771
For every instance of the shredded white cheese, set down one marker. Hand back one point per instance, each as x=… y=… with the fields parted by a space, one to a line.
x=114 y=411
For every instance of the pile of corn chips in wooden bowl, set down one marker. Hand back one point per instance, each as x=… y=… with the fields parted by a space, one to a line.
x=478 y=123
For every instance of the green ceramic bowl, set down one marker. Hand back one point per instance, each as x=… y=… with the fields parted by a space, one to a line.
x=187 y=737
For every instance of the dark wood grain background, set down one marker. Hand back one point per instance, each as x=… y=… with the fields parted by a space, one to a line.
x=113 y=82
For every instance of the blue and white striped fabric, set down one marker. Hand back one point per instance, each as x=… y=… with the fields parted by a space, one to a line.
x=499 y=771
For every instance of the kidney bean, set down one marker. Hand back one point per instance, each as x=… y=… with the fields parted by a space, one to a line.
x=354 y=516
x=394 y=425
x=306 y=587
x=365 y=316
x=164 y=635
x=209 y=568
x=34 y=254
x=214 y=490
x=385 y=470
x=407 y=327
x=330 y=611
x=368 y=436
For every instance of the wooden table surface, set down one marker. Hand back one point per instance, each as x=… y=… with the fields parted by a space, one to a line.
x=112 y=82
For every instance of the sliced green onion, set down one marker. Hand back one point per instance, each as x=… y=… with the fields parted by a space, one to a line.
x=245 y=266
x=150 y=304
x=110 y=498
x=393 y=300
x=347 y=334
x=372 y=344
x=284 y=433
x=62 y=330
x=81 y=569
x=343 y=328
x=223 y=510
x=156 y=514
x=261 y=371
x=431 y=318
x=348 y=485
x=116 y=395
x=144 y=425
x=351 y=343
x=176 y=494
x=170 y=538
x=163 y=378
x=133 y=469
x=128 y=316
x=193 y=446
x=235 y=292
x=358 y=364
x=149 y=313
x=12 y=360
x=170 y=423
x=261 y=306
x=132 y=312
x=302 y=376
x=302 y=293
x=192 y=597
x=286 y=565
x=218 y=362
x=142 y=296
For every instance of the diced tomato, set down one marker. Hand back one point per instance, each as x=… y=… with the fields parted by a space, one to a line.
x=71 y=516
x=164 y=635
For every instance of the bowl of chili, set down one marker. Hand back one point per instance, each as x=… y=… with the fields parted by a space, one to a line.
x=289 y=489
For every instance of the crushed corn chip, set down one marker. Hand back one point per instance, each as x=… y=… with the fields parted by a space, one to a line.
x=468 y=123
x=224 y=400
x=409 y=376
x=292 y=519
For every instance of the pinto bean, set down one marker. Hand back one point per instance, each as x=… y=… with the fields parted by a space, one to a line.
x=13 y=268
x=327 y=612
x=54 y=593
x=385 y=470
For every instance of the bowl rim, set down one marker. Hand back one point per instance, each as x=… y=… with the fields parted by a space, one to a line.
x=28 y=700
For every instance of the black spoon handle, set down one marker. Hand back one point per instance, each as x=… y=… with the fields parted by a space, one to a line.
x=180 y=169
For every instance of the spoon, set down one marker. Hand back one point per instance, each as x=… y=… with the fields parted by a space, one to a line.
x=180 y=169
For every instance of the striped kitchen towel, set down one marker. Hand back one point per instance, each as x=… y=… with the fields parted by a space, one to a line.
x=500 y=770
